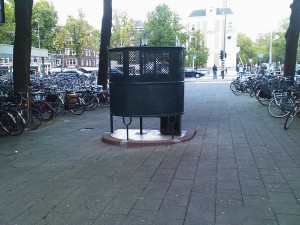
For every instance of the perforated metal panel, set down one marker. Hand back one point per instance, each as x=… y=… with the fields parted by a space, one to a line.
x=147 y=61
x=146 y=81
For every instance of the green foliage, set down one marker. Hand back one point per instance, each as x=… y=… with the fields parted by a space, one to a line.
x=197 y=47
x=95 y=35
x=7 y=30
x=247 y=50
x=44 y=23
x=250 y=49
x=60 y=41
x=162 y=26
x=122 y=32
x=78 y=34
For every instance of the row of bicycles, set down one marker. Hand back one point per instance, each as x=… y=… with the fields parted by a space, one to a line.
x=280 y=94
x=27 y=111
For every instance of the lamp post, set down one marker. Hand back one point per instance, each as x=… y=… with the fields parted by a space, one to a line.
x=225 y=22
x=270 y=52
x=224 y=40
x=38 y=30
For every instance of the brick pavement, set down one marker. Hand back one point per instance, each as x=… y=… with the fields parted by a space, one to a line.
x=241 y=168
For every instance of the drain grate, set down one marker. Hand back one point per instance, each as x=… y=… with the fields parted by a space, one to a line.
x=86 y=129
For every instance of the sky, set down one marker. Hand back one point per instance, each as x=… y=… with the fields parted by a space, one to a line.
x=252 y=16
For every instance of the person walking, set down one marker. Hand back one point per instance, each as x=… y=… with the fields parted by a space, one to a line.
x=215 y=70
x=241 y=71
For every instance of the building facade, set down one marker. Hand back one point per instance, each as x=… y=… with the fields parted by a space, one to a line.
x=218 y=27
x=67 y=59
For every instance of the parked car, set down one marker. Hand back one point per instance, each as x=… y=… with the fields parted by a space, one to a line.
x=190 y=72
x=202 y=71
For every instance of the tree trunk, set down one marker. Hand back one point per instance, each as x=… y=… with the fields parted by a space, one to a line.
x=105 y=41
x=291 y=37
x=22 y=45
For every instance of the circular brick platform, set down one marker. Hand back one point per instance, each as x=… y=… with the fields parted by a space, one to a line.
x=148 y=138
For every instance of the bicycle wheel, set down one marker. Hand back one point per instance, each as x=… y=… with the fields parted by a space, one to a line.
x=235 y=87
x=275 y=109
x=91 y=102
x=76 y=105
x=18 y=126
x=6 y=122
x=33 y=119
x=249 y=89
x=45 y=109
x=232 y=84
x=57 y=106
x=262 y=100
x=289 y=119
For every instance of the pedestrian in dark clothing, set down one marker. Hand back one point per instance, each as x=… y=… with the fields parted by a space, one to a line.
x=215 y=69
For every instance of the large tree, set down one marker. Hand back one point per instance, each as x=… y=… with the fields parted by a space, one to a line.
x=79 y=37
x=197 y=47
x=292 y=37
x=22 y=45
x=122 y=31
x=7 y=30
x=44 y=22
x=163 y=26
x=247 y=50
x=105 y=40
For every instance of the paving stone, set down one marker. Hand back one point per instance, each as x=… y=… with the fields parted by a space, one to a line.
x=109 y=219
x=285 y=219
x=241 y=168
x=137 y=217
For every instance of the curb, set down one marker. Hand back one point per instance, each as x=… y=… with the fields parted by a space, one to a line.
x=109 y=139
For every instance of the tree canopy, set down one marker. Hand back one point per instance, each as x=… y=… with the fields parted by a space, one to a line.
x=7 y=30
x=122 y=29
x=44 y=22
x=197 y=47
x=163 y=26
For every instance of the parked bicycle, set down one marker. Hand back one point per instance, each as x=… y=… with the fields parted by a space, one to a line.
x=293 y=109
x=66 y=101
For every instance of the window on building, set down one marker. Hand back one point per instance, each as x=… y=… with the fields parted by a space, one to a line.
x=69 y=41
x=71 y=62
x=69 y=51
x=229 y=26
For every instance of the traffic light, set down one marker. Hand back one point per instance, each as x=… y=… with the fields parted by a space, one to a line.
x=221 y=54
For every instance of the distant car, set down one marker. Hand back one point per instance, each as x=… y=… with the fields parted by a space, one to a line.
x=190 y=72
x=116 y=71
x=73 y=71
x=202 y=71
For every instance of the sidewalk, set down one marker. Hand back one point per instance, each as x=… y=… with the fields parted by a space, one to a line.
x=241 y=168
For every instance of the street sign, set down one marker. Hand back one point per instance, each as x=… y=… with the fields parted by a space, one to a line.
x=260 y=55
x=193 y=57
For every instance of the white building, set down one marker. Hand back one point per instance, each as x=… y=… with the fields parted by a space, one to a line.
x=211 y=22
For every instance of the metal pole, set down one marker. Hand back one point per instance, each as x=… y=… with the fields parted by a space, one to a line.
x=225 y=21
x=270 y=52
x=224 y=41
x=39 y=39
